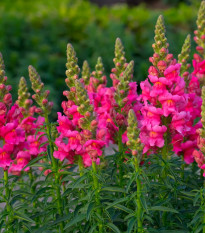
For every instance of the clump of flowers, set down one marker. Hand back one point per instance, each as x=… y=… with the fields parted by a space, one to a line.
x=86 y=190
x=168 y=110
x=78 y=129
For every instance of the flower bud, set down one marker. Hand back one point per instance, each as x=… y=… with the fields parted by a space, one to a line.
x=153 y=71
x=3 y=108
x=44 y=101
x=2 y=86
x=161 y=65
x=94 y=123
x=101 y=134
x=7 y=99
x=8 y=87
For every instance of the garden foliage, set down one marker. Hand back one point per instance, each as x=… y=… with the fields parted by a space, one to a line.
x=115 y=160
x=33 y=30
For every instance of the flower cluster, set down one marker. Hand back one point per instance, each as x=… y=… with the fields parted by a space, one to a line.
x=78 y=135
x=18 y=127
x=168 y=111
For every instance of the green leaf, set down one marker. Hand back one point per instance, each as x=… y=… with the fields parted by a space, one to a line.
x=78 y=181
x=93 y=228
x=27 y=227
x=24 y=217
x=77 y=219
x=131 y=224
x=144 y=204
x=198 y=229
x=123 y=208
x=131 y=180
x=61 y=219
x=174 y=231
x=117 y=202
x=89 y=210
x=163 y=208
x=33 y=161
x=114 y=189
x=40 y=191
x=113 y=227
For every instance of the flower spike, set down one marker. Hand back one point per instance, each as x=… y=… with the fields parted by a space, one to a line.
x=73 y=69
x=2 y=71
x=123 y=85
x=160 y=46
x=99 y=73
x=133 y=133
x=86 y=73
x=23 y=97
x=183 y=57
x=119 y=59
x=40 y=95
x=200 y=32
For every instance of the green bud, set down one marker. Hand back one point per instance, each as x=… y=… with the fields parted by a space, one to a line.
x=123 y=85
x=23 y=97
x=200 y=32
x=73 y=69
x=40 y=95
x=119 y=59
x=82 y=99
x=160 y=39
x=86 y=72
x=133 y=132
x=2 y=71
x=183 y=57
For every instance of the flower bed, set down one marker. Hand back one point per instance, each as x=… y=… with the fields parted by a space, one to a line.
x=57 y=177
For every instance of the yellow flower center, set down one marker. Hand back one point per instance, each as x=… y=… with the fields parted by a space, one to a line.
x=152 y=134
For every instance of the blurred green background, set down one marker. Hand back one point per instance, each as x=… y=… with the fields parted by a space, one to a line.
x=37 y=32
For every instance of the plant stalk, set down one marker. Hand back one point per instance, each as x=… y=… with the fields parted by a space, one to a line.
x=80 y=165
x=121 y=157
x=55 y=171
x=97 y=200
x=8 y=206
x=139 y=193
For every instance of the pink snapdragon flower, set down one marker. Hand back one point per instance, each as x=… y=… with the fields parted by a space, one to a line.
x=169 y=102
x=188 y=148
x=94 y=148
x=5 y=159
x=35 y=142
x=22 y=159
x=152 y=136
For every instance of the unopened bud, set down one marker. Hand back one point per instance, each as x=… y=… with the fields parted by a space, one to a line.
x=153 y=71
x=7 y=99
x=94 y=123
x=8 y=87
x=161 y=65
x=87 y=114
x=44 y=101
x=134 y=152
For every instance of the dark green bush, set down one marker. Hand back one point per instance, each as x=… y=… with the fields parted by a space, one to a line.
x=33 y=30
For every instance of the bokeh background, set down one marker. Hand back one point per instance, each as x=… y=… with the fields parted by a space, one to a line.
x=37 y=32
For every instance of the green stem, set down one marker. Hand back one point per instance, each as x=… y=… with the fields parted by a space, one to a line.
x=139 y=193
x=182 y=173
x=55 y=171
x=30 y=173
x=6 y=189
x=8 y=206
x=97 y=200
x=165 y=157
x=80 y=165
x=121 y=157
